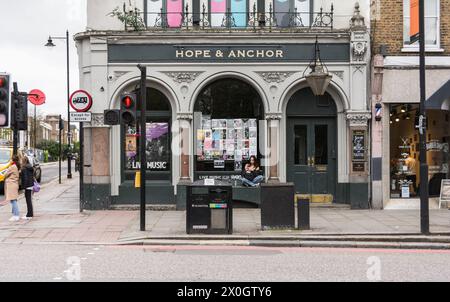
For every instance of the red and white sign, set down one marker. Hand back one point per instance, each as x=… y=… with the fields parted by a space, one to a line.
x=36 y=97
x=80 y=101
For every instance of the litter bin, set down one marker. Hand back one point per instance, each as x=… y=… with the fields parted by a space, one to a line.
x=277 y=206
x=209 y=208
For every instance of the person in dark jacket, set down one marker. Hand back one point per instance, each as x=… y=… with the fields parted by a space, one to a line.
x=252 y=174
x=27 y=181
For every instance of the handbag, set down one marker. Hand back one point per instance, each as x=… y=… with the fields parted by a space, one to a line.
x=36 y=187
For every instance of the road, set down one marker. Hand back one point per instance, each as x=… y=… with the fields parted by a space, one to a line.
x=221 y=264
x=51 y=172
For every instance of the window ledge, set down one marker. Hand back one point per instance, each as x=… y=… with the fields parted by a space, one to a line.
x=427 y=49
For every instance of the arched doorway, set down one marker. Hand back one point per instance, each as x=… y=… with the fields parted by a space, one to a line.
x=227 y=128
x=311 y=145
x=158 y=139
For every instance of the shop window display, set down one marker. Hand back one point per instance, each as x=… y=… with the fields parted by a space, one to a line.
x=227 y=117
x=157 y=139
x=404 y=150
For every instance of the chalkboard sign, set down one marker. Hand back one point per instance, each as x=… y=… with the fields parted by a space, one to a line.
x=359 y=145
x=445 y=192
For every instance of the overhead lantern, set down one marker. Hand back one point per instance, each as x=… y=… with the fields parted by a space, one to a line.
x=319 y=78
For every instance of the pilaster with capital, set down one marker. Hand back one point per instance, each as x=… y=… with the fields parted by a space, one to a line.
x=184 y=121
x=273 y=123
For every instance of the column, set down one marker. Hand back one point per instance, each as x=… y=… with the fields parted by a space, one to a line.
x=184 y=121
x=273 y=124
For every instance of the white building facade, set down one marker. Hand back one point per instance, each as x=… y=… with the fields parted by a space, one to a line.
x=225 y=81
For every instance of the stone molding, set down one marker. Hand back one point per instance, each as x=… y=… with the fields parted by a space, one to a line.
x=358 y=118
x=275 y=77
x=183 y=76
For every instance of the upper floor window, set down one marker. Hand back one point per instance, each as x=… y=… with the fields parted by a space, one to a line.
x=290 y=13
x=432 y=24
x=164 y=13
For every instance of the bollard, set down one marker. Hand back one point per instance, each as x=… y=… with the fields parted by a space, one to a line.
x=303 y=214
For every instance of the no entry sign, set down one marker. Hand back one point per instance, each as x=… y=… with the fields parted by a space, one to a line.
x=81 y=101
x=36 y=97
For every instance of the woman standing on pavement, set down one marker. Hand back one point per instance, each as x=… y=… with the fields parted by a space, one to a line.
x=12 y=187
x=27 y=180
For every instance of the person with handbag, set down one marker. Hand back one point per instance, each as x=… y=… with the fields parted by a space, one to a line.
x=12 y=187
x=27 y=180
x=252 y=174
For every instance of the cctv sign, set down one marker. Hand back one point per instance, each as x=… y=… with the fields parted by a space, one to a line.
x=81 y=101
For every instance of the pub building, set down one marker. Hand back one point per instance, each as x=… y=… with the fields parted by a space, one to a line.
x=226 y=79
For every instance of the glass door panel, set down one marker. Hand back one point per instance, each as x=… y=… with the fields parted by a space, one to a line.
x=218 y=9
x=301 y=145
x=174 y=12
x=153 y=11
x=239 y=12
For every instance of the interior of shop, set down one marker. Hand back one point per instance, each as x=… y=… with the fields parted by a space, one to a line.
x=404 y=150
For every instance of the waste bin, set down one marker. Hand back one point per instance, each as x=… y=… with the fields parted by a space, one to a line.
x=209 y=208
x=277 y=206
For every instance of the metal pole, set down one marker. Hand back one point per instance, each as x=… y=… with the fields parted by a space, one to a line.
x=35 y=137
x=69 y=158
x=14 y=117
x=60 y=147
x=142 y=138
x=424 y=205
x=81 y=167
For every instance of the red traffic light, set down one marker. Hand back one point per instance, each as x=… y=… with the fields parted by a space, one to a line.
x=3 y=82
x=127 y=102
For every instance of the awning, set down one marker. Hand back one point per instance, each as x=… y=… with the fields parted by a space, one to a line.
x=440 y=100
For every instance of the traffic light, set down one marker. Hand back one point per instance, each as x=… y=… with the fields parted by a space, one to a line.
x=20 y=114
x=128 y=106
x=112 y=117
x=5 y=100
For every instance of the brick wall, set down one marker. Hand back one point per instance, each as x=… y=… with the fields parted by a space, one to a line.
x=387 y=27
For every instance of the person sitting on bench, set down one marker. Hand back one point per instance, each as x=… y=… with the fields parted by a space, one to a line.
x=252 y=174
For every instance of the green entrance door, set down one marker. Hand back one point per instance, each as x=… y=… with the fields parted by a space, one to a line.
x=311 y=156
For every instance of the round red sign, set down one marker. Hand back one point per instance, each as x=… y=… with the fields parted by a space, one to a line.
x=81 y=101
x=36 y=97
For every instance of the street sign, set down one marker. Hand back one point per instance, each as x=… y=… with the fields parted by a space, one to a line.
x=36 y=97
x=80 y=117
x=81 y=101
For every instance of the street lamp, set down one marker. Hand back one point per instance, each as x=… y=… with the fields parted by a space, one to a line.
x=69 y=134
x=319 y=78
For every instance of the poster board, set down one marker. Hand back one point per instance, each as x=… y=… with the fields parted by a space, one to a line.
x=445 y=193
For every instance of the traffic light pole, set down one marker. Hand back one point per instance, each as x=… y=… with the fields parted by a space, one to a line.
x=60 y=146
x=142 y=139
x=424 y=194
x=14 y=101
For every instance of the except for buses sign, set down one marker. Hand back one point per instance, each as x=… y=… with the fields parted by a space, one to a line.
x=81 y=101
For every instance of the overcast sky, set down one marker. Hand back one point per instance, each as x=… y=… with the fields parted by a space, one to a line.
x=25 y=27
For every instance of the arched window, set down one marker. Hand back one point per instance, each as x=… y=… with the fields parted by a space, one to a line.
x=226 y=122
x=292 y=12
x=157 y=136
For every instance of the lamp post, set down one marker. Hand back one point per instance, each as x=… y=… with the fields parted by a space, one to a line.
x=424 y=194
x=319 y=78
x=69 y=134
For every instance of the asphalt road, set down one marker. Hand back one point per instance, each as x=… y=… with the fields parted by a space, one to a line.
x=129 y=263
x=51 y=172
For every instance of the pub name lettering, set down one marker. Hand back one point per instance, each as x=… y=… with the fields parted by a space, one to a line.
x=232 y=54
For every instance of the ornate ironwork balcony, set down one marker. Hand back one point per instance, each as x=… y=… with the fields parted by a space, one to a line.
x=230 y=20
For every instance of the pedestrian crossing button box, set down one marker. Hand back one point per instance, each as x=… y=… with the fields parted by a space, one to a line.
x=209 y=208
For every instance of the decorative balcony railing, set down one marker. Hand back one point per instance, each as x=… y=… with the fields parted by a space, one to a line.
x=238 y=20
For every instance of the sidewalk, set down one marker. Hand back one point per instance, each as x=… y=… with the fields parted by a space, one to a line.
x=58 y=221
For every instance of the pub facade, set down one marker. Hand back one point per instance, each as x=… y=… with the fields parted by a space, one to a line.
x=226 y=81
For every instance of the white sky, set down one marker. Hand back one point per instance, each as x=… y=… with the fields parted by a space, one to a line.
x=24 y=29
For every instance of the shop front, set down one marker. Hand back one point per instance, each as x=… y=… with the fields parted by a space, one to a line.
x=214 y=101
